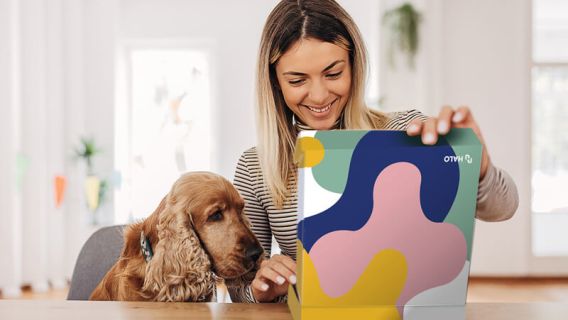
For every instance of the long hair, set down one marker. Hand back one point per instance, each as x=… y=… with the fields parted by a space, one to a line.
x=180 y=269
x=290 y=21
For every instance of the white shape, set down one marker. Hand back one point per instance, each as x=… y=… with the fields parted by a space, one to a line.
x=312 y=198
x=450 y=294
x=307 y=133
x=434 y=313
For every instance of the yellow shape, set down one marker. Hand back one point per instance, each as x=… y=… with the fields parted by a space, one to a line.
x=373 y=296
x=309 y=152
x=339 y=313
x=380 y=284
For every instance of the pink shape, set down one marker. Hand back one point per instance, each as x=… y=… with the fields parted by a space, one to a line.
x=435 y=252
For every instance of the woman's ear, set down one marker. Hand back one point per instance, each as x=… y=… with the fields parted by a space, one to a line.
x=180 y=270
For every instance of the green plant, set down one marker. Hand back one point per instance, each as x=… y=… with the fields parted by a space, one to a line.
x=86 y=151
x=403 y=23
x=103 y=191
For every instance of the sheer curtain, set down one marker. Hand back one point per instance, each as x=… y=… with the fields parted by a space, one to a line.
x=9 y=201
x=41 y=118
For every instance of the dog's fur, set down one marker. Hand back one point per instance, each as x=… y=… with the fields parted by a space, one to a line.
x=198 y=230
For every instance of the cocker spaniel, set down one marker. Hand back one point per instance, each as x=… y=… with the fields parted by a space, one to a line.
x=197 y=232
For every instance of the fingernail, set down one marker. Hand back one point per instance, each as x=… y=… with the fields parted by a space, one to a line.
x=457 y=117
x=280 y=280
x=428 y=138
x=264 y=287
x=293 y=279
x=442 y=127
x=412 y=127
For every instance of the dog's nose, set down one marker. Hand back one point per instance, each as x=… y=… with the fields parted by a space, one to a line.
x=253 y=252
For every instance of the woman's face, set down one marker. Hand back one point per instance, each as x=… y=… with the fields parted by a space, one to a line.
x=315 y=79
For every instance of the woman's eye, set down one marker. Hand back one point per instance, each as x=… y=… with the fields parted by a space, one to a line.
x=296 y=82
x=334 y=75
x=216 y=216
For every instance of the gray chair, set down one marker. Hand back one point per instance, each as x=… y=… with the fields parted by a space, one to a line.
x=97 y=256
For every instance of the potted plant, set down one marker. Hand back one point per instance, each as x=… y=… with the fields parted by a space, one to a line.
x=403 y=23
x=87 y=151
x=95 y=188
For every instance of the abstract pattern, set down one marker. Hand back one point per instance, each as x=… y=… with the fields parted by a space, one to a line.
x=384 y=220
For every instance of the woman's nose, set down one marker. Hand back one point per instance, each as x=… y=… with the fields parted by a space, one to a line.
x=318 y=94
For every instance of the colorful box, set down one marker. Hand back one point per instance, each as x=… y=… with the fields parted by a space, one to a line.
x=384 y=222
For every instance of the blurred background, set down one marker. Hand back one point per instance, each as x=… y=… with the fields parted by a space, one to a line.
x=104 y=103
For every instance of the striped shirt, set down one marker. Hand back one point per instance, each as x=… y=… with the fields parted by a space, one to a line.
x=497 y=200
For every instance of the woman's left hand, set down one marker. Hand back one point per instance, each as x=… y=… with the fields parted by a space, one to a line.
x=447 y=119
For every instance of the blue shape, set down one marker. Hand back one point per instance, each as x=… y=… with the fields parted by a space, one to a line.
x=374 y=152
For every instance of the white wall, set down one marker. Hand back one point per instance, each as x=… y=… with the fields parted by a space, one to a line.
x=481 y=53
x=487 y=65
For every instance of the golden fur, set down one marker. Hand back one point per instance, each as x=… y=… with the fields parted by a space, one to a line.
x=197 y=230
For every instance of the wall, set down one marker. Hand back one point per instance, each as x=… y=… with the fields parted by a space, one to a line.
x=487 y=65
x=480 y=51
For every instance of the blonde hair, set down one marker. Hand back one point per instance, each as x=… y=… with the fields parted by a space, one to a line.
x=290 y=21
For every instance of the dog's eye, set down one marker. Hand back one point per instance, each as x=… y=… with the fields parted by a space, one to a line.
x=216 y=216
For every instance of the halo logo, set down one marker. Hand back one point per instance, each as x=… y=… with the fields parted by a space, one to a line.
x=467 y=158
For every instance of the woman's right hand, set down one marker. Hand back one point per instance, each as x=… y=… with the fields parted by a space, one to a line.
x=273 y=277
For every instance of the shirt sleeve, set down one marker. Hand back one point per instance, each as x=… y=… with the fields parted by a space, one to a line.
x=257 y=216
x=497 y=196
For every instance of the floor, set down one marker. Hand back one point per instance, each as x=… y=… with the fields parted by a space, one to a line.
x=517 y=290
x=480 y=290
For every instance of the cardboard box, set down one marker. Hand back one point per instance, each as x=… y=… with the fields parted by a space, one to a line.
x=384 y=222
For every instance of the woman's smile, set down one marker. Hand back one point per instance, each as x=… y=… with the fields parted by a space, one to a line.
x=320 y=111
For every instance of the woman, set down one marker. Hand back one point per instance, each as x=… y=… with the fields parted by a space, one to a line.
x=311 y=71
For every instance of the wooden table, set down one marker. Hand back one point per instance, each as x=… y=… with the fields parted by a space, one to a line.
x=83 y=310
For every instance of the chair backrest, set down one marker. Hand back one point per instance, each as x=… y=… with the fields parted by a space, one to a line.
x=97 y=256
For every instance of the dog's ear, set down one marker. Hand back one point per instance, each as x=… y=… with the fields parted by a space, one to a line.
x=180 y=270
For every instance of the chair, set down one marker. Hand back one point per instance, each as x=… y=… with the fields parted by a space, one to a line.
x=97 y=256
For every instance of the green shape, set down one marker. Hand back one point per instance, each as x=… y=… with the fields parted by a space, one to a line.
x=462 y=214
x=331 y=173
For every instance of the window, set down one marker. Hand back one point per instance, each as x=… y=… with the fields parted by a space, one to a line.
x=167 y=127
x=550 y=128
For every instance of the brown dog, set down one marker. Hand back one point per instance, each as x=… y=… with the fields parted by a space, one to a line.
x=198 y=230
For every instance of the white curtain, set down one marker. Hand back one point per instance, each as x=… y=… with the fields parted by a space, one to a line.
x=42 y=95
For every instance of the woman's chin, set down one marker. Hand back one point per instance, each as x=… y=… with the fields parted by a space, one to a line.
x=321 y=124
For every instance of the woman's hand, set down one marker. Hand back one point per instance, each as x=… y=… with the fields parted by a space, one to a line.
x=447 y=119
x=273 y=277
